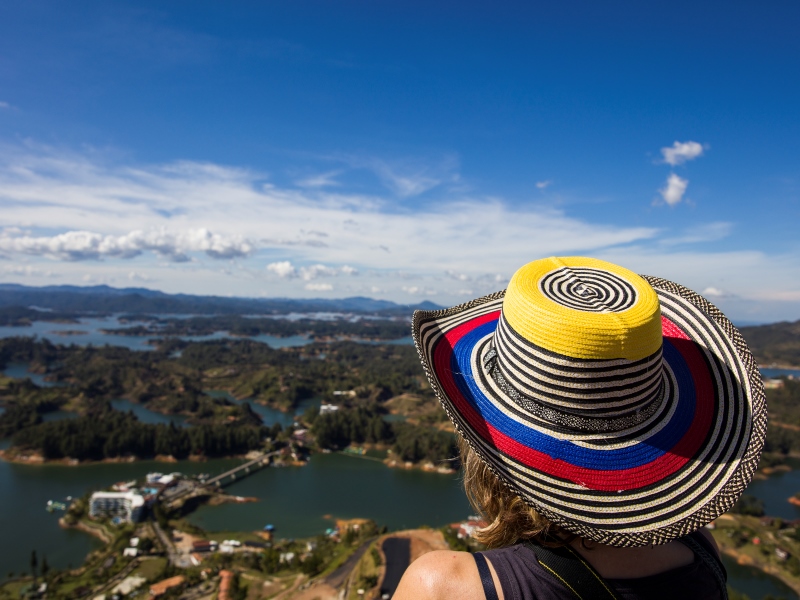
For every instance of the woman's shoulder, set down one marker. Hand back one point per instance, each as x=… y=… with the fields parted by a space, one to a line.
x=439 y=575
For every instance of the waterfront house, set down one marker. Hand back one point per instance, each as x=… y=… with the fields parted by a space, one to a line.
x=126 y=506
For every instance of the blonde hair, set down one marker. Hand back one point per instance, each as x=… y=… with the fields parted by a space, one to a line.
x=509 y=519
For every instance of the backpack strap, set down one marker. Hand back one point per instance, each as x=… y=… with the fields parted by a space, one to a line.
x=572 y=571
x=487 y=582
x=697 y=543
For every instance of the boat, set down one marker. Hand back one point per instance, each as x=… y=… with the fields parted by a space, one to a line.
x=52 y=505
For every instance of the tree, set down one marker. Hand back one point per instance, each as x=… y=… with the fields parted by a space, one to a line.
x=34 y=564
x=45 y=566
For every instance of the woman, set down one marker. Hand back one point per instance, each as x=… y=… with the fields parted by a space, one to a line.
x=605 y=418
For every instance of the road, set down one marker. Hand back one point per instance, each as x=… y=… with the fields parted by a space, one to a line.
x=175 y=558
x=398 y=556
x=336 y=579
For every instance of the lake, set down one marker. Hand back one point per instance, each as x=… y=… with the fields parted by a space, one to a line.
x=268 y=415
x=768 y=372
x=88 y=331
x=295 y=499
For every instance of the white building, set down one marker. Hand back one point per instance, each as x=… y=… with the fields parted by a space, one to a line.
x=126 y=505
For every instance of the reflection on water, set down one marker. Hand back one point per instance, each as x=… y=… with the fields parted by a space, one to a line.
x=297 y=499
x=775 y=491
x=25 y=490
x=20 y=371
x=86 y=332
x=269 y=416
x=780 y=372
x=755 y=583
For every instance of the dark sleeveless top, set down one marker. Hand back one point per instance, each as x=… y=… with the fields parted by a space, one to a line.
x=522 y=578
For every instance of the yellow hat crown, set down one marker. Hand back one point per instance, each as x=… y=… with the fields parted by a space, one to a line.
x=578 y=344
x=584 y=308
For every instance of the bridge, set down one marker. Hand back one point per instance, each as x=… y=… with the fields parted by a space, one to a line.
x=242 y=470
x=187 y=487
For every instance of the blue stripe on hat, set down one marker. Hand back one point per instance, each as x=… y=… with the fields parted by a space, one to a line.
x=632 y=456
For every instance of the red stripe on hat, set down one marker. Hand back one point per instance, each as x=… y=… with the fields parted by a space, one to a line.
x=617 y=480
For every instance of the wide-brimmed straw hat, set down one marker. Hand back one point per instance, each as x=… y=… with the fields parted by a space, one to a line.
x=626 y=409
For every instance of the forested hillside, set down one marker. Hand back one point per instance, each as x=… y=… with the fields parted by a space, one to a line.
x=776 y=343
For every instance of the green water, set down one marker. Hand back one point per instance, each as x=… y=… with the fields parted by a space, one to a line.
x=756 y=584
x=297 y=500
x=26 y=526
x=294 y=499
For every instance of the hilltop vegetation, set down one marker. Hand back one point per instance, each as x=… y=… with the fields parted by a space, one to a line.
x=111 y=434
x=363 y=380
x=776 y=343
x=783 y=430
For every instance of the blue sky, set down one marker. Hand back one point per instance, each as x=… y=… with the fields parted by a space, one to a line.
x=400 y=150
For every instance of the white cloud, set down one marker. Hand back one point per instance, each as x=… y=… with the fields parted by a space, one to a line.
x=416 y=290
x=457 y=276
x=544 y=184
x=4 y=105
x=408 y=178
x=316 y=271
x=286 y=270
x=49 y=190
x=703 y=233
x=29 y=271
x=319 y=287
x=320 y=180
x=135 y=276
x=681 y=152
x=673 y=191
x=283 y=269
x=87 y=245
x=713 y=292
x=78 y=205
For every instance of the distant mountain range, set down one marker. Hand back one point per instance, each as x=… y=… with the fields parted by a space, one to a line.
x=105 y=299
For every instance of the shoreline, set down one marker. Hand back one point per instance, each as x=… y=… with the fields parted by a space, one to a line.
x=38 y=460
x=747 y=561
x=81 y=526
x=784 y=366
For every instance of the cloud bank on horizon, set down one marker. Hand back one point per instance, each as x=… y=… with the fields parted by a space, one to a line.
x=215 y=229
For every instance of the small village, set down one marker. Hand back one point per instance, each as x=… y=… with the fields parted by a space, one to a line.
x=151 y=550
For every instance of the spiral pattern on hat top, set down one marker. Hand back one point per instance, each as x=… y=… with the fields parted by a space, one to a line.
x=651 y=482
x=632 y=332
x=591 y=290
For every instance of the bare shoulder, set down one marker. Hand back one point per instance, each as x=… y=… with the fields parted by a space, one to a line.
x=439 y=575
